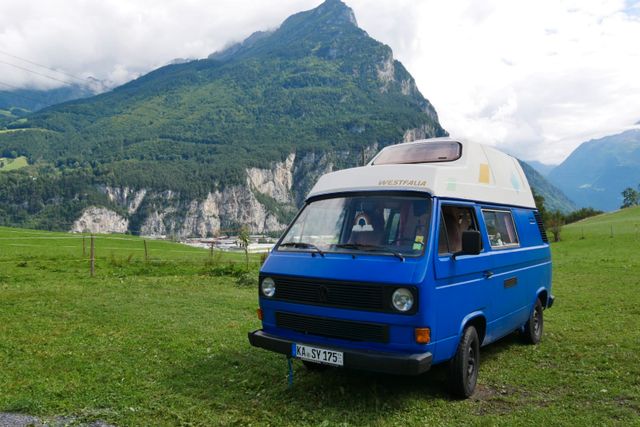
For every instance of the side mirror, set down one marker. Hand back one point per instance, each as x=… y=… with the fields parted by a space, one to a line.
x=471 y=243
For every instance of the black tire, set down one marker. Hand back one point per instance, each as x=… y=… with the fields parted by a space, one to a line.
x=463 y=368
x=314 y=367
x=533 y=329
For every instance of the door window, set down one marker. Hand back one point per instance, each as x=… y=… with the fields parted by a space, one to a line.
x=500 y=228
x=453 y=221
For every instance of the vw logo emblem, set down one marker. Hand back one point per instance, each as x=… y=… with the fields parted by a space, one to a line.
x=323 y=294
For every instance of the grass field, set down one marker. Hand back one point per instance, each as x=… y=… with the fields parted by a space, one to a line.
x=163 y=342
x=12 y=164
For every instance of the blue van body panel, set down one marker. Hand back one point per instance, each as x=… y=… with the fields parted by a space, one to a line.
x=500 y=286
x=362 y=268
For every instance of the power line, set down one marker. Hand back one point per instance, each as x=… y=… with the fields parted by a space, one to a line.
x=36 y=72
x=43 y=66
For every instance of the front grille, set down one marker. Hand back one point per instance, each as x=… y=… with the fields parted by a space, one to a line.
x=543 y=232
x=332 y=328
x=353 y=295
x=333 y=294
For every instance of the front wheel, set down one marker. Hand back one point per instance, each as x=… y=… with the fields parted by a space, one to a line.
x=534 y=327
x=463 y=368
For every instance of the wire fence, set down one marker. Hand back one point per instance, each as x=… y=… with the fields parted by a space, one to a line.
x=91 y=251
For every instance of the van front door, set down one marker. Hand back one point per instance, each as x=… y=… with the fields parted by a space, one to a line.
x=462 y=282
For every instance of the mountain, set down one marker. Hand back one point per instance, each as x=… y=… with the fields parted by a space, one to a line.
x=542 y=168
x=200 y=147
x=17 y=103
x=598 y=170
x=554 y=198
x=261 y=120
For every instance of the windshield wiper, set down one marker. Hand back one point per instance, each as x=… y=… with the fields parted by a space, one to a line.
x=370 y=248
x=303 y=245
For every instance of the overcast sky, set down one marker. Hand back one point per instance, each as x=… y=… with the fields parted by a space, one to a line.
x=535 y=78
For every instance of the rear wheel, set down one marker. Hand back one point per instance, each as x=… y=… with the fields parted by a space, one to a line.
x=534 y=327
x=463 y=368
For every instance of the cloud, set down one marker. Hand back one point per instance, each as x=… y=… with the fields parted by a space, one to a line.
x=534 y=78
x=118 y=40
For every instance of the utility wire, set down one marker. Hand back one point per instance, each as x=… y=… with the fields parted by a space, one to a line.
x=36 y=72
x=43 y=66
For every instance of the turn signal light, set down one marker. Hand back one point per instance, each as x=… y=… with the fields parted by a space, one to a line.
x=259 y=311
x=423 y=335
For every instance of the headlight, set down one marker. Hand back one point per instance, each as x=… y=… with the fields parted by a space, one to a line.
x=268 y=287
x=402 y=299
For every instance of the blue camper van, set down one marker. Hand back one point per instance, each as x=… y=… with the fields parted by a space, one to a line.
x=431 y=251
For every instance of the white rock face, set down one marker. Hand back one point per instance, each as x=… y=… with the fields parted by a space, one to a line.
x=422 y=132
x=166 y=213
x=219 y=212
x=386 y=72
x=275 y=182
x=100 y=220
x=407 y=87
x=126 y=197
x=154 y=224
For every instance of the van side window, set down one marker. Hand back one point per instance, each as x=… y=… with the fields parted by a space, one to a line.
x=453 y=221
x=501 y=228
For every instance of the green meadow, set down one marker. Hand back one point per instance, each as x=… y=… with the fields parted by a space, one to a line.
x=161 y=340
x=7 y=164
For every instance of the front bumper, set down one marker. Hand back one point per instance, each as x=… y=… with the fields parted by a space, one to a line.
x=389 y=363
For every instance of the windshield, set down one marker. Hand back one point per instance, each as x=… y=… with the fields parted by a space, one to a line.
x=380 y=223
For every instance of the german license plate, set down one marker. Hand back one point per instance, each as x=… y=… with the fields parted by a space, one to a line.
x=316 y=354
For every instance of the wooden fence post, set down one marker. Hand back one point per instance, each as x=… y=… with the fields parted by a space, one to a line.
x=92 y=263
x=211 y=250
x=146 y=251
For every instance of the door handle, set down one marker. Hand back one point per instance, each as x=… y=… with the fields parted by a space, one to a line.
x=488 y=274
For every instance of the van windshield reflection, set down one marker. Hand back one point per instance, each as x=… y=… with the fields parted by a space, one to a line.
x=381 y=224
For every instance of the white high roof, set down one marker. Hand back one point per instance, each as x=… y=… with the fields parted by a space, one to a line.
x=481 y=174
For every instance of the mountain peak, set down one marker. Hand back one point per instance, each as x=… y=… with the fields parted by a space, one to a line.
x=327 y=22
x=328 y=16
x=337 y=11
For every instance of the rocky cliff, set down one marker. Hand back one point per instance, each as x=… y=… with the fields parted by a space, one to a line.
x=264 y=203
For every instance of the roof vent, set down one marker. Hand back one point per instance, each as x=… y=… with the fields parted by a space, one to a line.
x=422 y=152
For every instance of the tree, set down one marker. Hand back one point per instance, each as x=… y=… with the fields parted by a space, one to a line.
x=244 y=239
x=630 y=197
x=580 y=214
x=539 y=201
x=555 y=223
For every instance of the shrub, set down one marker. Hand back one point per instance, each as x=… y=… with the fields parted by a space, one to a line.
x=247 y=280
x=226 y=269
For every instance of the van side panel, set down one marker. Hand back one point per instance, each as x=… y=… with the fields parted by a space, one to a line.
x=500 y=285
